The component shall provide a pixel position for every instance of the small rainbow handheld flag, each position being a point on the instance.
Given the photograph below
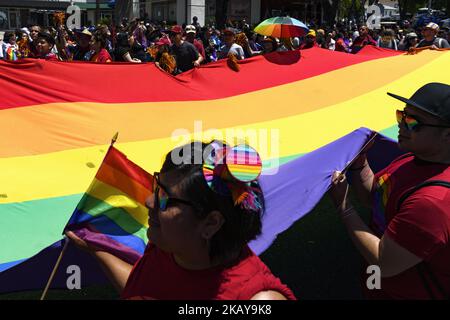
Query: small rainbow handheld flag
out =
(11, 54)
(111, 214)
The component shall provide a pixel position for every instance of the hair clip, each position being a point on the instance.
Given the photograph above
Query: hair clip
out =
(233, 172)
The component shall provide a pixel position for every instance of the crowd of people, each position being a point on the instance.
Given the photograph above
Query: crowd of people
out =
(176, 49)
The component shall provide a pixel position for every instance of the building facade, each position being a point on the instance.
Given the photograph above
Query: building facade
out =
(16, 14)
(182, 11)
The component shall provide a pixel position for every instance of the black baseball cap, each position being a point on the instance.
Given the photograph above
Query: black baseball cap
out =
(433, 98)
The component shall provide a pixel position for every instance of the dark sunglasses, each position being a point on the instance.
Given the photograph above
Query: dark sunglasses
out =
(162, 199)
(411, 123)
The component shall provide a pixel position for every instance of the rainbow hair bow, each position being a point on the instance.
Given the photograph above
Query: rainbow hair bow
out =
(234, 172)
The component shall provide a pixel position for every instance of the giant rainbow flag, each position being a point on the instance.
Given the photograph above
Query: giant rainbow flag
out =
(56, 120)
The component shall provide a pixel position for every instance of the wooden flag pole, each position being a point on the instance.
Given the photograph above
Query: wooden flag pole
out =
(114, 139)
(55, 268)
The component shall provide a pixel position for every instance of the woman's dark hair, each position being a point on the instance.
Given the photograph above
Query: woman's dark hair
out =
(122, 39)
(240, 226)
(100, 38)
(10, 35)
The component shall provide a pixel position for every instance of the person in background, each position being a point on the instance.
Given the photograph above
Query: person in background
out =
(44, 45)
(98, 48)
(122, 51)
(191, 33)
(388, 40)
(242, 40)
(429, 33)
(216, 38)
(163, 60)
(10, 47)
(230, 47)
(310, 40)
(195, 23)
(330, 43)
(253, 41)
(23, 45)
(34, 32)
(186, 55)
(362, 40)
(104, 30)
(269, 45)
(79, 50)
(286, 44)
(137, 50)
(410, 41)
(320, 38)
(139, 35)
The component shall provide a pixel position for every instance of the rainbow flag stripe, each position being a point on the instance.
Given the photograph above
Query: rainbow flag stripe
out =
(244, 163)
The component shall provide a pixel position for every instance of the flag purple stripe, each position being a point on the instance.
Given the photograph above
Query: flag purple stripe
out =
(110, 243)
(110, 236)
(300, 184)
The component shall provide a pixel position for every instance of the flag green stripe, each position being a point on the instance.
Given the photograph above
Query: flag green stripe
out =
(119, 216)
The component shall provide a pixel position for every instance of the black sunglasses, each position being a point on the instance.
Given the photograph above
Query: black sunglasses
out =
(162, 198)
(411, 123)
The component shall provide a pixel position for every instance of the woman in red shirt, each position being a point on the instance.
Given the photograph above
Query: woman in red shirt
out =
(45, 43)
(198, 237)
(98, 45)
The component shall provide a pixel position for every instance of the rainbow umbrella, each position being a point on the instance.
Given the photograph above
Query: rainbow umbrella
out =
(282, 27)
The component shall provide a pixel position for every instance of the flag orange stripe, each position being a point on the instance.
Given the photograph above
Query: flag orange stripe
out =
(124, 183)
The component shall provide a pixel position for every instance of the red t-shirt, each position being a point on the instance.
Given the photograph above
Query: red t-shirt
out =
(157, 276)
(200, 48)
(422, 225)
(51, 57)
(102, 56)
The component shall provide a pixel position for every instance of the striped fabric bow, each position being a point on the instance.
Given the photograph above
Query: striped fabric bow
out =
(234, 172)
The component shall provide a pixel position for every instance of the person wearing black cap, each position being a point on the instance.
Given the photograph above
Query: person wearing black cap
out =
(44, 46)
(409, 233)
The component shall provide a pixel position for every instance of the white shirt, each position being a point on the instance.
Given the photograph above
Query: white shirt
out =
(332, 45)
(234, 49)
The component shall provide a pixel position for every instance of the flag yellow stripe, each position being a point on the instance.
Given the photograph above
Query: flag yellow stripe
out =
(116, 198)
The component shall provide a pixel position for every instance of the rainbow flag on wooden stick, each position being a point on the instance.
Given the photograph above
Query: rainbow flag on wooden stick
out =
(112, 213)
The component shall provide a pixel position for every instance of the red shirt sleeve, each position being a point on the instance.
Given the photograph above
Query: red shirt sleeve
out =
(421, 224)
